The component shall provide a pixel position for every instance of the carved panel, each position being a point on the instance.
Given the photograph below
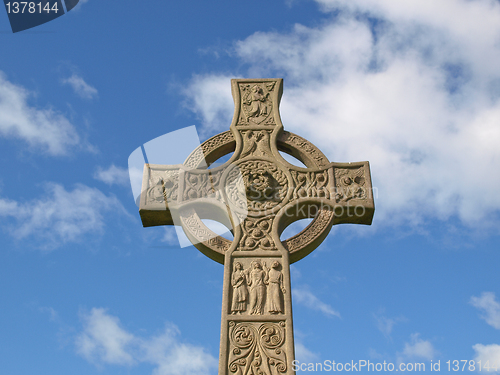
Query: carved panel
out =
(257, 234)
(265, 186)
(163, 186)
(256, 104)
(257, 287)
(202, 184)
(256, 143)
(257, 348)
(310, 184)
(350, 184)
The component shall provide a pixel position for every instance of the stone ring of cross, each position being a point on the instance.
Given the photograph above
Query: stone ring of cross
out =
(256, 194)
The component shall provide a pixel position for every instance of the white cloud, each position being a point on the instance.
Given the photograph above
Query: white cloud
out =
(60, 216)
(209, 97)
(489, 355)
(305, 297)
(104, 341)
(40, 128)
(489, 307)
(417, 349)
(416, 92)
(113, 175)
(80, 87)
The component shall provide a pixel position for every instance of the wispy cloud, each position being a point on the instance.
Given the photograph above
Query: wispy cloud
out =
(103, 340)
(407, 85)
(385, 324)
(60, 216)
(44, 129)
(489, 307)
(80, 87)
(305, 297)
(304, 355)
(113, 175)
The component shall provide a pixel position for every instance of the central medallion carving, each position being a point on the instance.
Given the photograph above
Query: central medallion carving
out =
(262, 183)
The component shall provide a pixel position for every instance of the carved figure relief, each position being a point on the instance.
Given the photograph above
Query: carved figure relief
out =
(163, 186)
(256, 143)
(257, 279)
(276, 287)
(310, 184)
(256, 104)
(350, 184)
(240, 292)
(258, 287)
(257, 348)
(256, 234)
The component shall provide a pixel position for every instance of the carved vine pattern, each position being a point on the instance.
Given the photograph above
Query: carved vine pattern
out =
(257, 348)
(202, 185)
(310, 184)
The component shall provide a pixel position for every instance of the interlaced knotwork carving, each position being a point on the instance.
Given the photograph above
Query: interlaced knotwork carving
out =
(202, 185)
(257, 348)
(310, 184)
(256, 234)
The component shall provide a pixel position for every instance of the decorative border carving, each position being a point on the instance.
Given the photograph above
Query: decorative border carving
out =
(311, 232)
(192, 223)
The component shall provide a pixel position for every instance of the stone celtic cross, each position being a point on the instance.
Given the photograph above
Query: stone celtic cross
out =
(256, 194)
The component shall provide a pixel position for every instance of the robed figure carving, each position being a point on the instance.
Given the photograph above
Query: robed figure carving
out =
(240, 292)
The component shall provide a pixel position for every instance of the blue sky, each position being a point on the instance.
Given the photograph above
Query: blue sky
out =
(412, 86)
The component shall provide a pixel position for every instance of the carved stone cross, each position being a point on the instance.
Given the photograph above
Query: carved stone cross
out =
(257, 194)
